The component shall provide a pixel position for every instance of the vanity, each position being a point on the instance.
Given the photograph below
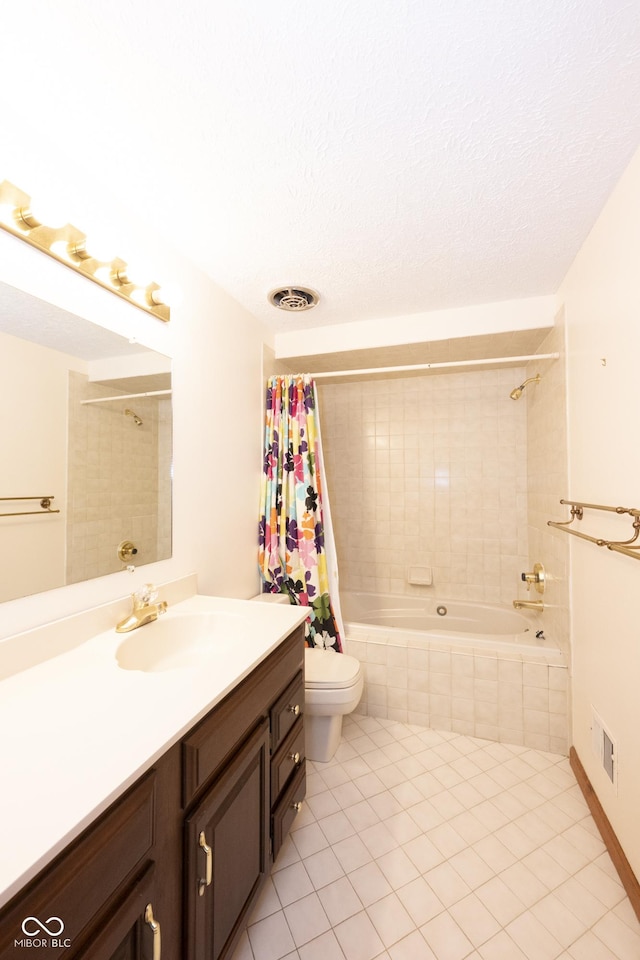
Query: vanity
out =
(157, 792)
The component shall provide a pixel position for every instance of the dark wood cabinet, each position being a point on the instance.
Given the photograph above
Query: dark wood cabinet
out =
(88, 880)
(239, 764)
(172, 869)
(227, 850)
(132, 931)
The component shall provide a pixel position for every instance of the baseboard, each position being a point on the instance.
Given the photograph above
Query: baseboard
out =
(620, 862)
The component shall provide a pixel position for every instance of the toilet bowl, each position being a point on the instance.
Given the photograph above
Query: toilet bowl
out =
(332, 688)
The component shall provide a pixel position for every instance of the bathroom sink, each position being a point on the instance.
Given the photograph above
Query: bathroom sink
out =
(180, 641)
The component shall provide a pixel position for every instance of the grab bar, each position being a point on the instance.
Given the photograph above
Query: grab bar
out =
(45, 503)
(617, 546)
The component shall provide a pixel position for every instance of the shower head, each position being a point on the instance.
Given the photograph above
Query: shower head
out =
(136, 418)
(516, 393)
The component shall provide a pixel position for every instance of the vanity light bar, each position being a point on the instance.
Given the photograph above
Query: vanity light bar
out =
(70, 246)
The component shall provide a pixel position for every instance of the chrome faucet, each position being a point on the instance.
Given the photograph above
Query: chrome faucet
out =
(145, 609)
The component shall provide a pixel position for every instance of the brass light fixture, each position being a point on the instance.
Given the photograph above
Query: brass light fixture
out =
(70, 246)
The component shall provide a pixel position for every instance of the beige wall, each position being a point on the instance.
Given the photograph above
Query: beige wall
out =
(428, 470)
(601, 298)
(483, 318)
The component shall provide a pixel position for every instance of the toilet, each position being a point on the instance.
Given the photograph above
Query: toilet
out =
(333, 687)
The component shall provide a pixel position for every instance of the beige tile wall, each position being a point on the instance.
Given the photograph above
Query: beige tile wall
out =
(429, 470)
(496, 697)
(114, 491)
(548, 482)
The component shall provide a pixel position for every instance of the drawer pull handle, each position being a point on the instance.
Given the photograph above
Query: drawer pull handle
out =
(295, 758)
(202, 842)
(294, 709)
(155, 929)
(297, 806)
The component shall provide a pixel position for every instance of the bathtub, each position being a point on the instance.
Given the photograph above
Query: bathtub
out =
(463, 625)
(477, 669)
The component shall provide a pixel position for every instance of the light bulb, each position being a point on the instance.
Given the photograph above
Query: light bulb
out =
(6, 211)
(101, 235)
(140, 296)
(50, 212)
(139, 273)
(101, 246)
(169, 293)
(61, 249)
(105, 273)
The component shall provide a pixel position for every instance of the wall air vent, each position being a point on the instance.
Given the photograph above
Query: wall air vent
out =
(294, 299)
(604, 747)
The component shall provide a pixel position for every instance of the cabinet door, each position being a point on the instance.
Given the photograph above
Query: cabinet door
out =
(227, 851)
(132, 931)
(86, 880)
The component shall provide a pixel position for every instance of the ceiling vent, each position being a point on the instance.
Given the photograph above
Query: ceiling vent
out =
(294, 299)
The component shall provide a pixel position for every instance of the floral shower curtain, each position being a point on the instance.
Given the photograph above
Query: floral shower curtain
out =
(292, 552)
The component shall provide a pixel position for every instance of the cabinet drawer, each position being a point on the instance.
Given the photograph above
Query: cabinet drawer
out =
(83, 881)
(286, 810)
(289, 757)
(211, 743)
(286, 711)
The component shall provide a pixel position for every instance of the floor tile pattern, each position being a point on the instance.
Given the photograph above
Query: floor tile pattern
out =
(415, 844)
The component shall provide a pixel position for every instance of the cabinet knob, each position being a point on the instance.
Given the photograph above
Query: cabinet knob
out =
(202, 884)
(297, 806)
(295, 758)
(294, 709)
(155, 929)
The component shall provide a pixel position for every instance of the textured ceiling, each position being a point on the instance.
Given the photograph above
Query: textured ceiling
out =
(398, 157)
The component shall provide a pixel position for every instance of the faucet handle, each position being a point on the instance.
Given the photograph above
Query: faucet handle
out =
(148, 593)
(536, 578)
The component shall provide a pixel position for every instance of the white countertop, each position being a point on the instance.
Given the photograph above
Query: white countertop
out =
(77, 730)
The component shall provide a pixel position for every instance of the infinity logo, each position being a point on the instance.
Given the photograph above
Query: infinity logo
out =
(39, 925)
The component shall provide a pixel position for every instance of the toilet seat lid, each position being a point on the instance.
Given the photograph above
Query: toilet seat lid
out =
(324, 668)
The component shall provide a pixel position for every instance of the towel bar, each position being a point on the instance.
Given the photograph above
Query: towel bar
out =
(617, 546)
(45, 503)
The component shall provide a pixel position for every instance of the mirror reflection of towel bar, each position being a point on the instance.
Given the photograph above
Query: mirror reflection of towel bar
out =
(45, 503)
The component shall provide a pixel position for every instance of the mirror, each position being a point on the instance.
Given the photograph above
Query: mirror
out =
(85, 420)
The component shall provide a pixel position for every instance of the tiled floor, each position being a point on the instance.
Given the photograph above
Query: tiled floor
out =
(415, 845)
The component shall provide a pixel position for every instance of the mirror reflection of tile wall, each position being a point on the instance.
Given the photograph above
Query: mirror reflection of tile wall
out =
(119, 480)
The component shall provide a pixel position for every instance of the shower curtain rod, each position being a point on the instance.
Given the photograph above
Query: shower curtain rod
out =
(435, 366)
(129, 396)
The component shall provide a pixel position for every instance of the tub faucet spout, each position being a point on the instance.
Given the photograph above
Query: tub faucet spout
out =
(529, 605)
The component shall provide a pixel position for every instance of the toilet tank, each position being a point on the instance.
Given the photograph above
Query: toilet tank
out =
(272, 597)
